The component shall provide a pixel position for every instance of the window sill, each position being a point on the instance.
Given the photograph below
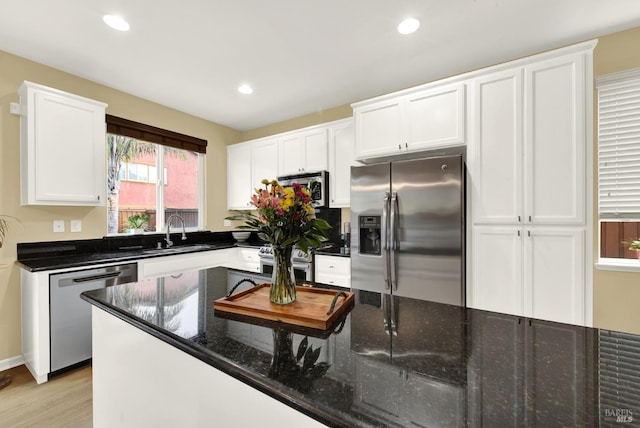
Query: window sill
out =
(622, 265)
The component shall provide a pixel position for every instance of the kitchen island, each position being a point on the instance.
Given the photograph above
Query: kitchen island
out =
(162, 356)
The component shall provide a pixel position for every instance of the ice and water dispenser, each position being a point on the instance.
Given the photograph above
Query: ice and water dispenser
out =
(369, 227)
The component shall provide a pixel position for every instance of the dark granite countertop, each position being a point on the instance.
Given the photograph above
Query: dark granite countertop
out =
(43, 256)
(439, 365)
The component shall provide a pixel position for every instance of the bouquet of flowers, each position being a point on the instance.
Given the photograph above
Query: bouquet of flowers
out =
(286, 219)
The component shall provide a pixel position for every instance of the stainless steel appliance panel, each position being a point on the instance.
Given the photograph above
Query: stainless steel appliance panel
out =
(370, 187)
(70, 316)
(426, 229)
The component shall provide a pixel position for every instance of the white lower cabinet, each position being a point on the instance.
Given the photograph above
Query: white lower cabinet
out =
(531, 271)
(497, 270)
(333, 270)
(167, 265)
(244, 258)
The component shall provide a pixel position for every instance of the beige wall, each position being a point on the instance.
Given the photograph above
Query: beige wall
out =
(616, 295)
(335, 113)
(37, 220)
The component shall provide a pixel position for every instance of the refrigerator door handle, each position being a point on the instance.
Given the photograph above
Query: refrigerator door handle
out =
(385, 241)
(393, 226)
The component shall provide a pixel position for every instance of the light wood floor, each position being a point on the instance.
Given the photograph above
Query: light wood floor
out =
(65, 401)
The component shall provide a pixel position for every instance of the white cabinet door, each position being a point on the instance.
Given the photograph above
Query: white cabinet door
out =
(341, 158)
(495, 158)
(554, 274)
(290, 154)
(434, 118)
(239, 184)
(304, 151)
(63, 148)
(316, 156)
(555, 141)
(264, 161)
(379, 129)
(496, 283)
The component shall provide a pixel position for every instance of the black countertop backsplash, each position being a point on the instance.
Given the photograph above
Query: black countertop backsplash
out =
(444, 366)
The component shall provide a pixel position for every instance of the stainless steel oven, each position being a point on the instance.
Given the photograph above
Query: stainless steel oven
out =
(302, 263)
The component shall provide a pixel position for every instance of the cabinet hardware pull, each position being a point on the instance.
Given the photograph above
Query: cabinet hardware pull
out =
(518, 233)
(399, 147)
(529, 218)
(98, 197)
(519, 219)
(406, 145)
(528, 232)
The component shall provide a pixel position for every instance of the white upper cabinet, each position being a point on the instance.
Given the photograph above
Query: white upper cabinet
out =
(434, 118)
(378, 128)
(304, 151)
(264, 162)
(62, 148)
(424, 119)
(326, 147)
(496, 153)
(247, 165)
(341, 158)
(555, 140)
(239, 176)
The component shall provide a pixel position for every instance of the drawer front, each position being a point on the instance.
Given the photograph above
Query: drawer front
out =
(331, 265)
(337, 280)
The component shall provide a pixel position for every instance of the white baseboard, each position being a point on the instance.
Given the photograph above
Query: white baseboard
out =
(10, 363)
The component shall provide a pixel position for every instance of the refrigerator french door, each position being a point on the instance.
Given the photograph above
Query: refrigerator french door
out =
(407, 229)
(407, 255)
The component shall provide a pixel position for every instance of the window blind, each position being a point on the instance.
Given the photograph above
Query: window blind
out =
(619, 378)
(619, 145)
(151, 134)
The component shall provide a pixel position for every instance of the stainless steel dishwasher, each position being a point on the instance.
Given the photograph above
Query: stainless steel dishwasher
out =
(70, 316)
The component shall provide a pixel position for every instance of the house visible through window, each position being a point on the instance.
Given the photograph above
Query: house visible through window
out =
(619, 163)
(136, 153)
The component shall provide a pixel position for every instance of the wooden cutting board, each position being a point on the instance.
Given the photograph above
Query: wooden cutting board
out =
(309, 310)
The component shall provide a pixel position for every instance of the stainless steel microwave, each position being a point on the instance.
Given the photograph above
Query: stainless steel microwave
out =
(316, 182)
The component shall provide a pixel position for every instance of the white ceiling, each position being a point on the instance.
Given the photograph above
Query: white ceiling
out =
(301, 56)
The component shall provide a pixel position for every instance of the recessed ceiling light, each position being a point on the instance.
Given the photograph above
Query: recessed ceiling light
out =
(245, 89)
(408, 26)
(116, 22)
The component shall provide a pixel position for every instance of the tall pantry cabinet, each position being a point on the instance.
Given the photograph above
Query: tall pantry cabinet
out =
(529, 163)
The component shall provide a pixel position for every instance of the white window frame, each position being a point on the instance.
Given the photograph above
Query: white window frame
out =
(161, 226)
(612, 85)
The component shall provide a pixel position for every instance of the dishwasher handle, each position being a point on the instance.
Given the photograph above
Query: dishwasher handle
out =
(97, 277)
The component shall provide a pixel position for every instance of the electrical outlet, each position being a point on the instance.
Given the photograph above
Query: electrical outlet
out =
(58, 225)
(75, 226)
(227, 223)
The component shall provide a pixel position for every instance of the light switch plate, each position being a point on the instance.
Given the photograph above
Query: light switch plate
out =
(58, 225)
(75, 226)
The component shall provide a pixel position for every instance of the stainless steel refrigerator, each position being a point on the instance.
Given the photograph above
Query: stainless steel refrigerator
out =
(407, 256)
(407, 229)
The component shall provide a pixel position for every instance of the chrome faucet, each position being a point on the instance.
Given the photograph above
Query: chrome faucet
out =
(168, 237)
